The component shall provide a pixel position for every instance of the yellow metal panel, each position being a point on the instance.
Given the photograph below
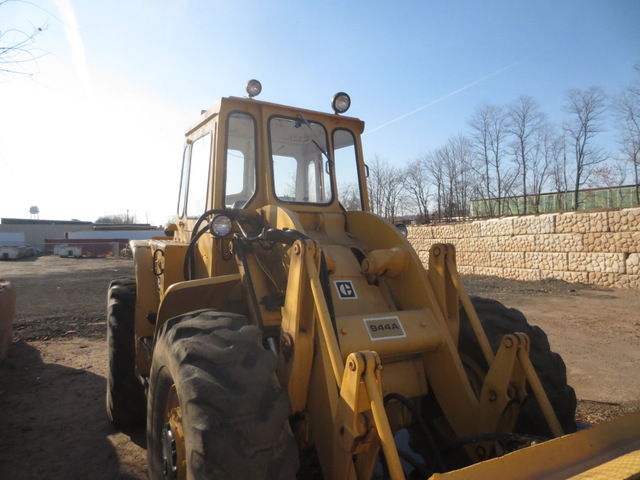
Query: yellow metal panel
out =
(147, 300)
(389, 333)
(298, 332)
(441, 280)
(214, 292)
(626, 467)
(169, 264)
(323, 404)
(412, 290)
(327, 335)
(406, 377)
(374, 391)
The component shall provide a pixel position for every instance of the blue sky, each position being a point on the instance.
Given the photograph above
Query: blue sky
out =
(99, 129)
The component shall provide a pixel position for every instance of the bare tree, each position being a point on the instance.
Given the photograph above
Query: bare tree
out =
(560, 175)
(417, 185)
(394, 195)
(17, 52)
(444, 156)
(489, 132)
(457, 182)
(587, 108)
(547, 150)
(385, 188)
(626, 108)
(610, 175)
(481, 138)
(435, 170)
(349, 196)
(524, 123)
(375, 184)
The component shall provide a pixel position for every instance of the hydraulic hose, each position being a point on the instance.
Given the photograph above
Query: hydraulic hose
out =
(440, 465)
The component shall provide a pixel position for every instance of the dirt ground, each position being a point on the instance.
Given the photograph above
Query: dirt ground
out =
(52, 385)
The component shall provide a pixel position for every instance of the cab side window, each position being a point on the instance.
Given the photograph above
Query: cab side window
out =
(184, 181)
(198, 176)
(240, 160)
(346, 164)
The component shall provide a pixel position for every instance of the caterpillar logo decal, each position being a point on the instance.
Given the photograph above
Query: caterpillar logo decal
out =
(384, 328)
(345, 289)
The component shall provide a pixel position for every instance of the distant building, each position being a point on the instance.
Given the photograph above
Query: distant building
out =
(35, 232)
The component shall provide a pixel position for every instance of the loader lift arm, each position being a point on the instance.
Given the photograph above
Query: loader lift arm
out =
(360, 391)
(360, 423)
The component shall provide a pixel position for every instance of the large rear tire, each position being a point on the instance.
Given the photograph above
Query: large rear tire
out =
(497, 321)
(126, 401)
(215, 408)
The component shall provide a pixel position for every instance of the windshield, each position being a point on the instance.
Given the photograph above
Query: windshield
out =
(301, 169)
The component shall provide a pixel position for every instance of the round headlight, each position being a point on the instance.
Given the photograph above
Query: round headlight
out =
(220, 226)
(254, 87)
(341, 102)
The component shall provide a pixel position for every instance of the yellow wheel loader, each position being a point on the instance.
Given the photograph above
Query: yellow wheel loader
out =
(280, 330)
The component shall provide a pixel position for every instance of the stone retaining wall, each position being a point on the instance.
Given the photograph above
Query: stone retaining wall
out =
(600, 248)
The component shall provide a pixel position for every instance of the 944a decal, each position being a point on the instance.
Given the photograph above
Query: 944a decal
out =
(384, 328)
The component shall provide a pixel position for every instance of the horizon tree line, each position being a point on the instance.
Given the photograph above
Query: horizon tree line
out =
(514, 150)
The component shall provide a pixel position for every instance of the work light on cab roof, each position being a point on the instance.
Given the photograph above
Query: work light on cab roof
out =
(254, 87)
(340, 102)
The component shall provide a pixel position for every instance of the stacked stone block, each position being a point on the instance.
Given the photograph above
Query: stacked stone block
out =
(600, 248)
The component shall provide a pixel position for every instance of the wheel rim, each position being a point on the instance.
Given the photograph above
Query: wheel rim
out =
(173, 448)
(169, 453)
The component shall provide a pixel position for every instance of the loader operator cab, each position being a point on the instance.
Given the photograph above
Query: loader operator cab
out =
(245, 154)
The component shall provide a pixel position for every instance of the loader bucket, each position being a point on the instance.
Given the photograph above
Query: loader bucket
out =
(609, 451)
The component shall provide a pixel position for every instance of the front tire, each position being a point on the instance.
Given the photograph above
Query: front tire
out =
(126, 401)
(497, 321)
(215, 408)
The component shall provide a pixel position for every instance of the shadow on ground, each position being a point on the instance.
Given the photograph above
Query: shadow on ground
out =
(53, 422)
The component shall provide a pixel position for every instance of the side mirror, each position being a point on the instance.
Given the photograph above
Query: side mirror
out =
(403, 229)
(170, 230)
